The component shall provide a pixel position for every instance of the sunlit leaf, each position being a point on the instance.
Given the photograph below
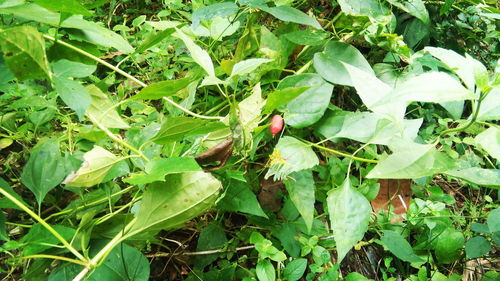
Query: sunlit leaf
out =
(103, 110)
(286, 13)
(300, 186)
(476, 175)
(489, 140)
(96, 164)
(349, 216)
(156, 170)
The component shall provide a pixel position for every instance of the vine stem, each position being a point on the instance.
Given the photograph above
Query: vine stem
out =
(43, 256)
(44, 224)
(347, 155)
(118, 70)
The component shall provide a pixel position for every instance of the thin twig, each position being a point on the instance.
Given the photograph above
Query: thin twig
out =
(200, 253)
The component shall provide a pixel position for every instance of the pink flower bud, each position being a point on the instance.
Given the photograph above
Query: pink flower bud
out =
(276, 124)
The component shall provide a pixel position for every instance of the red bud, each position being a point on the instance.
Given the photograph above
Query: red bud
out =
(276, 124)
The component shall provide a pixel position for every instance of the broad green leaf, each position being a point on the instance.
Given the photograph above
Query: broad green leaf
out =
(365, 127)
(265, 248)
(247, 66)
(211, 237)
(295, 269)
(455, 62)
(124, 262)
(45, 169)
(290, 155)
(412, 160)
(40, 239)
(90, 31)
(307, 37)
(415, 8)
(286, 13)
(215, 10)
(449, 245)
(489, 140)
(171, 203)
(265, 270)
(354, 276)
(300, 187)
(330, 64)
(371, 8)
(162, 89)
(102, 110)
(399, 247)
(476, 247)
(67, 68)
(309, 106)
(5, 142)
(23, 50)
(73, 94)
(490, 106)
(3, 231)
(154, 39)
(493, 220)
(222, 27)
(281, 97)
(156, 170)
(238, 197)
(349, 216)
(199, 55)
(96, 164)
(476, 175)
(177, 128)
(65, 6)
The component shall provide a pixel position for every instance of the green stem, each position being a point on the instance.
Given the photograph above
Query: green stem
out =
(347, 155)
(463, 128)
(118, 70)
(44, 224)
(43, 256)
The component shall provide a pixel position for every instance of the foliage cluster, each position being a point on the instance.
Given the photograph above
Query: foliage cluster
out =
(135, 133)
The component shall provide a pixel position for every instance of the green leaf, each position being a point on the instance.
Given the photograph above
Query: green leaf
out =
(371, 8)
(265, 270)
(476, 175)
(309, 106)
(3, 231)
(455, 62)
(365, 127)
(211, 237)
(330, 64)
(65, 6)
(295, 269)
(290, 155)
(476, 247)
(67, 68)
(90, 31)
(212, 11)
(349, 216)
(73, 94)
(124, 262)
(177, 128)
(5, 203)
(399, 247)
(449, 245)
(300, 187)
(489, 140)
(199, 55)
(281, 97)
(162, 89)
(45, 169)
(97, 162)
(154, 39)
(239, 198)
(180, 198)
(354, 276)
(23, 50)
(156, 170)
(490, 106)
(102, 110)
(286, 13)
(307, 37)
(40, 239)
(265, 248)
(494, 220)
(247, 66)
(412, 160)
(415, 8)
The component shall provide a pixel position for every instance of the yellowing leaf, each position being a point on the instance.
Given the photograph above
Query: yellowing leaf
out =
(94, 168)
(102, 110)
